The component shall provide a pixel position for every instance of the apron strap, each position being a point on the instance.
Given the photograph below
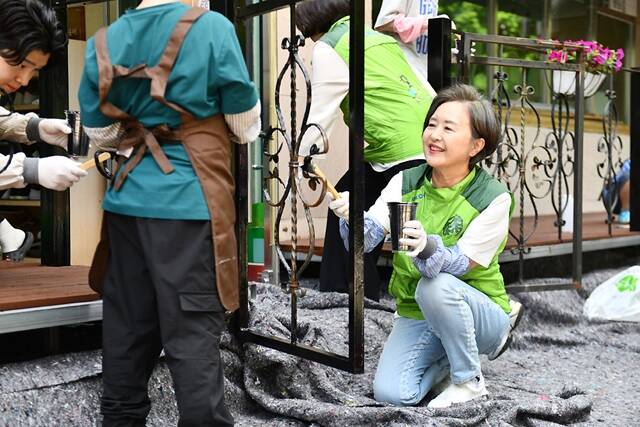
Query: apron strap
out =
(105, 78)
(141, 139)
(160, 73)
(136, 134)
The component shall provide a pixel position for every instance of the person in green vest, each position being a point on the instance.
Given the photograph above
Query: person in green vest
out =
(451, 301)
(395, 104)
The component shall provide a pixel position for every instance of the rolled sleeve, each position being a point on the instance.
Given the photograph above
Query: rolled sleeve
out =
(245, 126)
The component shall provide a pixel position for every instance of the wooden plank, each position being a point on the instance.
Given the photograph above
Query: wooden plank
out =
(47, 300)
(29, 285)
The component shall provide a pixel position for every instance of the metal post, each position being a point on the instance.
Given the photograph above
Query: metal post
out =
(492, 49)
(54, 89)
(464, 54)
(356, 198)
(634, 108)
(123, 5)
(241, 164)
(293, 170)
(439, 58)
(224, 7)
(577, 174)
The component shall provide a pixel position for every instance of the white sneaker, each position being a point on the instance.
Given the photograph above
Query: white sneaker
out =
(517, 311)
(504, 345)
(460, 393)
(514, 318)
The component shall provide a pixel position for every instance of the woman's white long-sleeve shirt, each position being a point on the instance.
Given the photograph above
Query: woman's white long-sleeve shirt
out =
(13, 127)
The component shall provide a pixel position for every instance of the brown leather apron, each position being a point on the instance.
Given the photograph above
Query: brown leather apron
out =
(206, 143)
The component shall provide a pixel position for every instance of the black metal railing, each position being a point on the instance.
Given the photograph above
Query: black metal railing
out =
(610, 147)
(284, 139)
(635, 148)
(535, 166)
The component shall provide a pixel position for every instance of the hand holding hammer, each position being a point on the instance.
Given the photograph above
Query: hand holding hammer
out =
(312, 168)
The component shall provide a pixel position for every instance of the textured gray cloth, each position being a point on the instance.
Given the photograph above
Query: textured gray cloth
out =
(30, 170)
(561, 369)
(33, 129)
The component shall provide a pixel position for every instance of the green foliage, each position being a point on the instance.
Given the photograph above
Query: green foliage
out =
(471, 17)
(468, 17)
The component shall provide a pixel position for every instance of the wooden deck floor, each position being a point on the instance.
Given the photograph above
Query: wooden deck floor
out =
(29, 285)
(594, 227)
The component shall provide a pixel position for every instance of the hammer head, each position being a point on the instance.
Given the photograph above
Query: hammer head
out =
(308, 167)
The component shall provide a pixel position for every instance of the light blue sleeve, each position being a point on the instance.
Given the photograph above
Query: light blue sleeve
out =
(443, 259)
(373, 233)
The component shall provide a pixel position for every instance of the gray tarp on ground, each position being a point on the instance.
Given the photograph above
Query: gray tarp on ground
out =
(561, 369)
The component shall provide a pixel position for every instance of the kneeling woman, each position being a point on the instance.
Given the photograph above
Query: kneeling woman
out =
(451, 301)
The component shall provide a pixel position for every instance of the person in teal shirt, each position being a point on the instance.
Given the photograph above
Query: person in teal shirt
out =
(210, 77)
(164, 86)
(450, 296)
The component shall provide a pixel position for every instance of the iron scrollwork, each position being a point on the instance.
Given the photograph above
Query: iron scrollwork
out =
(534, 170)
(562, 141)
(530, 170)
(610, 146)
(290, 190)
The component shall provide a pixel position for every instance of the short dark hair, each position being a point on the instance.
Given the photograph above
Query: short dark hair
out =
(317, 16)
(482, 117)
(28, 25)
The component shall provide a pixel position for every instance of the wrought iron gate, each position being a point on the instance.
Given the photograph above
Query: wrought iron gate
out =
(541, 170)
(241, 12)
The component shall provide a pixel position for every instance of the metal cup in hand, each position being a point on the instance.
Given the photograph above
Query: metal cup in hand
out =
(78, 141)
(400, 213)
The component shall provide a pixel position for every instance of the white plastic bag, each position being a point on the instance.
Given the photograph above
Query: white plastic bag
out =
(618, 298)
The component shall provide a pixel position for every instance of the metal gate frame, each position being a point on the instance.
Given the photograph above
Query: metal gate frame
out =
(239, 12)
(440, 41)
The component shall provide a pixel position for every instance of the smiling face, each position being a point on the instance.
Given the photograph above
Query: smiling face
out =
(448, 141)
(13, 77)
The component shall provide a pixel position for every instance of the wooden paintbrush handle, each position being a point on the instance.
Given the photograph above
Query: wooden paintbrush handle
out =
(330, 186)
(92, 163)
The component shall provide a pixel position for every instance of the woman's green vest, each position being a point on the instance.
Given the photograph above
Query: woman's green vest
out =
(448, 212)
(395, 102)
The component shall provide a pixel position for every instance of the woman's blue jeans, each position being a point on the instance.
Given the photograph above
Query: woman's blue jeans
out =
(460, 324)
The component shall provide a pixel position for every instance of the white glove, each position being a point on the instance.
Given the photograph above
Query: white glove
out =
(340, 206)
(417, 240)
(54, 132)
(59, 172)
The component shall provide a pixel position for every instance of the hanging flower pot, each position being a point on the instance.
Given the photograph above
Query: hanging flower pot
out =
(599, 61)
(564, 82)
(592, 82)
